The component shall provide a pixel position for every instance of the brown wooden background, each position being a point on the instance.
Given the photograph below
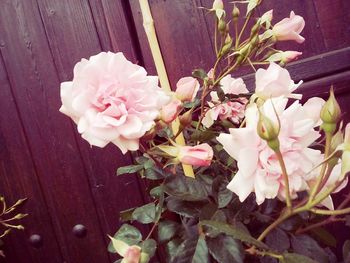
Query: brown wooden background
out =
(41, 155)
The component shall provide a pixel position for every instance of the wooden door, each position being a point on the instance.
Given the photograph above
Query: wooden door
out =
(44, 159)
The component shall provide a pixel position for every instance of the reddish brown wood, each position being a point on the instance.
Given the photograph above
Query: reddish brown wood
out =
(19, 179)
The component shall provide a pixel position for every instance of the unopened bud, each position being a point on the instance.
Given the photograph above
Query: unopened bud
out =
(255, 29)
(222, 26)
(330, 114)
(337, 140)
(227, 46)
(186, 118)
(235, 13)
(218, 4)
(268, 131)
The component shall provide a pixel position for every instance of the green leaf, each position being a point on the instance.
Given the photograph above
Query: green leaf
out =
(129, 169)
(208, 211)
(184, 208)
(235, 232)
(154, 173)
(157, 191)
(203, 136)
(225, 249)
(172, 248)
(191, 104)
(220, 192)
(306, 246)
(296, 258)
(127, 233)
(346, 251)
(145, 214)
(278, 240)
(251, 5)
(185, 188)
(199, 74)
(323, 235)
(193, 250)
(221, 94)
(167, 230)
(149, 247)
(126, 215)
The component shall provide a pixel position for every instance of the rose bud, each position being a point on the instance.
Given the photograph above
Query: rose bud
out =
(186, 89)
(186, 118)
(170, 111)
(218, 4)
(290, 28)
(284, 56)
(199, 155)
(330, 113)
(268, 131)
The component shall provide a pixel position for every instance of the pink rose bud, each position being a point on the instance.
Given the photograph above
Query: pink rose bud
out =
(187, 88)
(170, 111)
(199, 155)
(132, 255)
(290, 28)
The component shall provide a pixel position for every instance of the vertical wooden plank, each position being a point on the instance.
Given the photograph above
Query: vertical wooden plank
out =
(183, 36)
(100, 164)
(334, 17)
(59, 166)
(19, 180)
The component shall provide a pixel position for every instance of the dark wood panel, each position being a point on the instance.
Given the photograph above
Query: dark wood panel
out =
(334, 19)
(183, 36)
(19, 180)
(100, 165)
(60, 169)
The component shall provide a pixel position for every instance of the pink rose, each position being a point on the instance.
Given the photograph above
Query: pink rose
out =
(187, 88)
(290, 28)
(275, 81)
(232, 110)
(112, 100)
(199, 155)
(284, 56)
(258, 167)
(170, 111)
(132, 255)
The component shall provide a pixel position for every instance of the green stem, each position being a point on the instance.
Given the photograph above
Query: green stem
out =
(243, 28)
(285, 178)
(274, 225)
(316, 187)
(330, 212)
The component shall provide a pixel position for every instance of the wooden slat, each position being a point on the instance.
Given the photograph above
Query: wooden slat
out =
(334, 19)
(183, 37)
(18, 179)
(100, 164)
(36, 90)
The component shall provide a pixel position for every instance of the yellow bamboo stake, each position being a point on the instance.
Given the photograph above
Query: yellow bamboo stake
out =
(148, 25)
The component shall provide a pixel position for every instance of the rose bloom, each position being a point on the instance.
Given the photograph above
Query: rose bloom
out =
(187, 88)
(199, 155)
(290, 28)
(232, 110)
(258, 167)
(112, 100)
(275, 81)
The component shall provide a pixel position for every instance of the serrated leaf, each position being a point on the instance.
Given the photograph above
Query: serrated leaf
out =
(307, 246)
(296, 258)
(154, 173)
(220, 192)
(127, 233)
(157, 191)
(203, 136)
(184, 208)
(278, 240)
(346, 251)
(126, 215)
(326, 237)
(185, 188)
(129, 169)
(145, 214)
(193, 250)
(172, 248)
(166, 230)
(233, 231)
(225, 249)
(199, 74)
(149, 247)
